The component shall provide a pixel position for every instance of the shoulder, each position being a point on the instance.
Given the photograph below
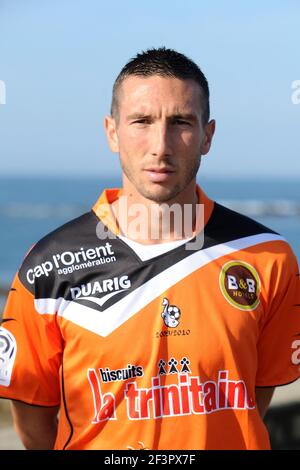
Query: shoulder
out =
(238, 231)
(58, 247)
(227, 224)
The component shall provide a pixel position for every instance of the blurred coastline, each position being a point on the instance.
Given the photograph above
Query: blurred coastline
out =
(3, 291)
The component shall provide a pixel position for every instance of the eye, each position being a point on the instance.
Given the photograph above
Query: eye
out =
(182, 122)
(141, 121)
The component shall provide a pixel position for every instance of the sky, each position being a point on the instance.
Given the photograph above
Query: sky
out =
(59, 59)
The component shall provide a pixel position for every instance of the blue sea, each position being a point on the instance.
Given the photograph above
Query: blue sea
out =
(30, 208)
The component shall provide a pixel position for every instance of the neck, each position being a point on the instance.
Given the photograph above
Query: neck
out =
(149, 222)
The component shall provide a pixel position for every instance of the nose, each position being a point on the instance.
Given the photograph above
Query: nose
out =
(161, 140)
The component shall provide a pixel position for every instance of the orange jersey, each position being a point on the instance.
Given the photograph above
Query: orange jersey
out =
(163, 353)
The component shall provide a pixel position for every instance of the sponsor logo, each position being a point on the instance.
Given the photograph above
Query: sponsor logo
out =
(240, 285)
(184, 394)
(68, 261)
(170, 314)
(8, 350)
(110, 286)
(130, 372)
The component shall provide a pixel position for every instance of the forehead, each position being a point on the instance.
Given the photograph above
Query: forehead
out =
(148, 93)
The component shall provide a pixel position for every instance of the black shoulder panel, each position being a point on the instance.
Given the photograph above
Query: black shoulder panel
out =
(226, 225)
(84, 262)
(61, 249)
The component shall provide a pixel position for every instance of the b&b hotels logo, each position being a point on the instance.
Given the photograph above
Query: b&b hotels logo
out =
(240, 285)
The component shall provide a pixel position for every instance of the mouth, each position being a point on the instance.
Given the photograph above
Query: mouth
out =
(159, 175)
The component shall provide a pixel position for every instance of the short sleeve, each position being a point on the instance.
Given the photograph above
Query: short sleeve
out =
(280, 331)
(30, 351)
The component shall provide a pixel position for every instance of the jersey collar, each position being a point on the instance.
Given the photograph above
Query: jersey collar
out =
(102, 208)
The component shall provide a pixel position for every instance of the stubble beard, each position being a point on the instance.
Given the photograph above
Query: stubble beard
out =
(159, 193)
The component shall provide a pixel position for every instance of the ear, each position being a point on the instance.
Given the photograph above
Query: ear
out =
(111, 133)
(209, 131)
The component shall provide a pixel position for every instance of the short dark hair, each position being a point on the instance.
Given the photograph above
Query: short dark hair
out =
(166, 63)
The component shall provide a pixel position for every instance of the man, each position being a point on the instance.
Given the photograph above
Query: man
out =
(141, 340)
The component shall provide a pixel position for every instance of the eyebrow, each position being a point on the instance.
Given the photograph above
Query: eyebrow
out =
(137, 116)
(186, 116)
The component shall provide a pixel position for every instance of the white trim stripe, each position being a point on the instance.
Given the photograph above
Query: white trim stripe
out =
(104, 323)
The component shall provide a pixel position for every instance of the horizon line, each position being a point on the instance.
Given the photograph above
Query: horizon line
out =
(204, 176)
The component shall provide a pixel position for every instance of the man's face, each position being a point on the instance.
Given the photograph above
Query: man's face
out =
(159, 135)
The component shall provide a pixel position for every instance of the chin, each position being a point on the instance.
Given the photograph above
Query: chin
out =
(159, 194)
